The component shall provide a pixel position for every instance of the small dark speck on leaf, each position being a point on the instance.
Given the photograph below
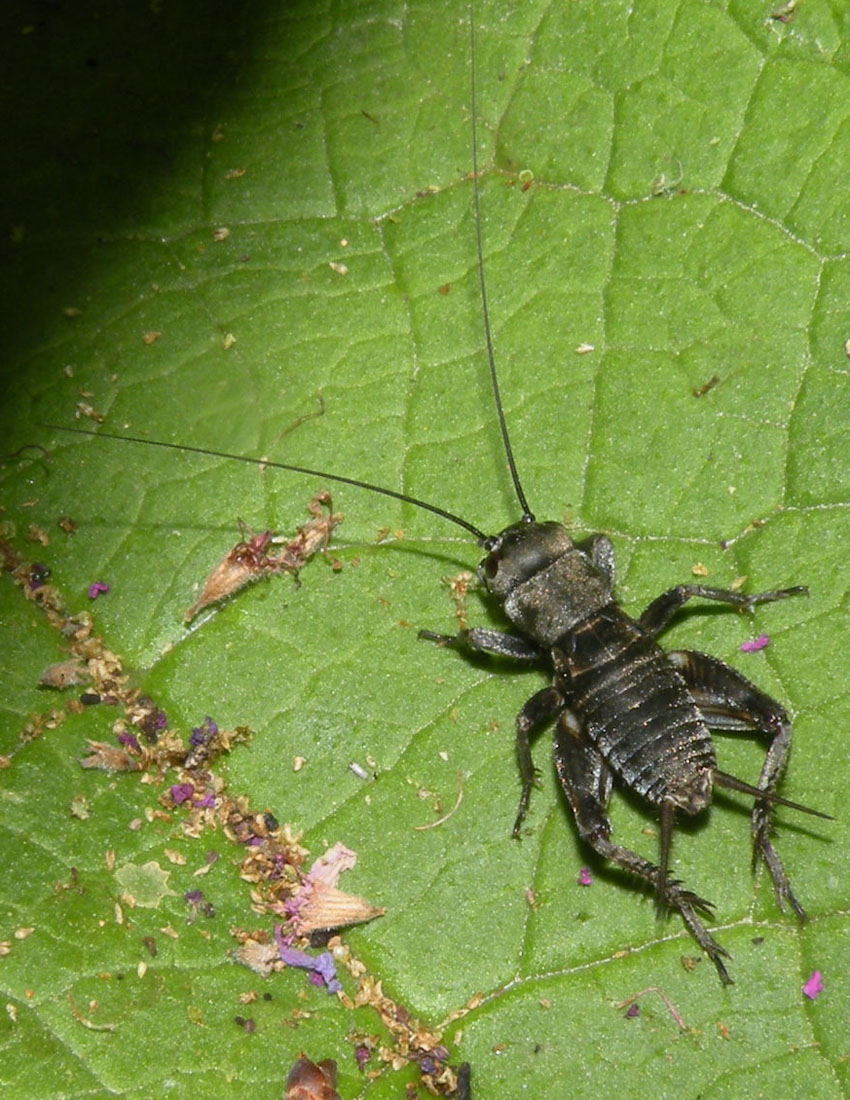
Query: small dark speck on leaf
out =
(702, 390)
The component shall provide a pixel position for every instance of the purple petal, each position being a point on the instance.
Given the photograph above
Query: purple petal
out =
(813, 985)
(756, 644)
(321, 965)
(324, 965)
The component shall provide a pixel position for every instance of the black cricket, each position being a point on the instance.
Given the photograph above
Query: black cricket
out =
(623, 708)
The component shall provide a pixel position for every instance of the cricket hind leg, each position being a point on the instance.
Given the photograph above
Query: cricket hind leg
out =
(728, 701)
(587, 783)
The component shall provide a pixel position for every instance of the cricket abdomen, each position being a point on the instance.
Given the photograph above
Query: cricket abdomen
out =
(636, 709)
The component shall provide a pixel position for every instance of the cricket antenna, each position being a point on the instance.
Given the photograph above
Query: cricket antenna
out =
(485, 312)
(481, 538)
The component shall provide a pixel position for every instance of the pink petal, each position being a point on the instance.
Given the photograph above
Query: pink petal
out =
(813, 985)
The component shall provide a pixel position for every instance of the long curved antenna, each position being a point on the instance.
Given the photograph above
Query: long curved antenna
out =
(481, 538)
(485, 312)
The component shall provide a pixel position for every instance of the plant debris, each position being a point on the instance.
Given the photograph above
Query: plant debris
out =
(253, 558)
(311, 1080)
(813, 986)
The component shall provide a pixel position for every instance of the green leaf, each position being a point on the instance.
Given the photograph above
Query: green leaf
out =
(217, 212)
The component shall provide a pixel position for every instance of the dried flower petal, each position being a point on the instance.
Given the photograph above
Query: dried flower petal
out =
(321, 965)
(61, 675)
(326, 907)
(319, 904)
(203, 733)
(328, 867)
(259, 957)
(181, 792)
(249, 560)
(109, 758)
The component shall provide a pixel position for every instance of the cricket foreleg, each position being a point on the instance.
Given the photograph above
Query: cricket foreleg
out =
(479, 640)
(587, 783)
(539, 709)
(664, 607)
(728, 701)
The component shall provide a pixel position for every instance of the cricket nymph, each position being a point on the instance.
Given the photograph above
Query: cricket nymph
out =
(624, 709)
(635, 705)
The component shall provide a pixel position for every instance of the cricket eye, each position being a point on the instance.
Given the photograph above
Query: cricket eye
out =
(491, 564)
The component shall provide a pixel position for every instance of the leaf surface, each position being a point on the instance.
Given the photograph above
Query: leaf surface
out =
(218, 213)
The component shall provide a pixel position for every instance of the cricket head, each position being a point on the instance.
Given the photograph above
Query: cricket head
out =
(520, 552)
